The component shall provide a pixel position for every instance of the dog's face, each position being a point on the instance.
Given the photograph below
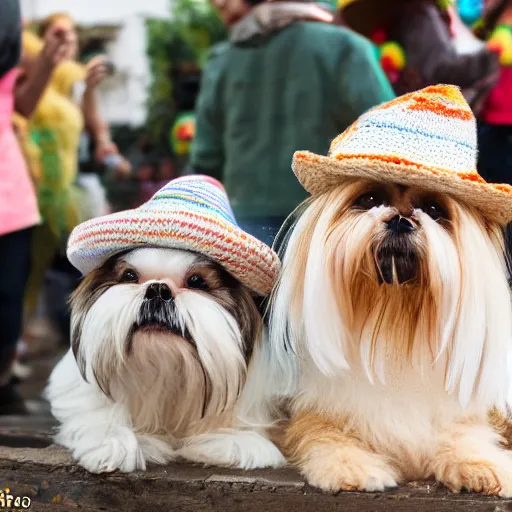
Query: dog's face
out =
(378, 272)
(165, 322)
(399, 241)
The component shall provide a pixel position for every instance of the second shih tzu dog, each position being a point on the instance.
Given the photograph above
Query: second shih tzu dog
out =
(163, 328)
(391, 324)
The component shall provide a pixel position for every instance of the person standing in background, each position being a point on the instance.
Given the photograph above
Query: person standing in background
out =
(495, 119)
(422, 43)
(18, 205)
(287, 79)
(67, 108)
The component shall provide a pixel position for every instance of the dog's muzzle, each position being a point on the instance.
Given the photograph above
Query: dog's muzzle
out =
(397, 260)
(158, 311)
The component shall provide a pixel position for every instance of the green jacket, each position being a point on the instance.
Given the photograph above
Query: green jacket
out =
(262, 100)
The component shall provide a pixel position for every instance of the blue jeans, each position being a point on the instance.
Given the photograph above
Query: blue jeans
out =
(262, 228)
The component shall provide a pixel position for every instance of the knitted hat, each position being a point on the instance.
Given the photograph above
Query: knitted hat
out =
(425, 139)
(190, 213)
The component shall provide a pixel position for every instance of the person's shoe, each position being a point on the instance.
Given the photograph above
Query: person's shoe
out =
(11, 403)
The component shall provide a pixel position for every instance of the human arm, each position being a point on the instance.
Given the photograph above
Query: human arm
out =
(36, 74)
(427, 42)
(97, 126)
(94, 122)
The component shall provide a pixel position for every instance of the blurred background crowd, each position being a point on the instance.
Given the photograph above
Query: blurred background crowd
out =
(101, 103)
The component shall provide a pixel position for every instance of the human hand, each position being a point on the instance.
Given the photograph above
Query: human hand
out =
(105, 148)
(121, 165)
(58, 45)
(97, 70)
(123, 169)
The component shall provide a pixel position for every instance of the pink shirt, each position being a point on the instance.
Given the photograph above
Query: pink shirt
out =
(18, 202)
(498, 107)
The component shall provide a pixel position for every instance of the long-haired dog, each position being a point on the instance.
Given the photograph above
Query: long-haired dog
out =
(160, 344)
(391, 329)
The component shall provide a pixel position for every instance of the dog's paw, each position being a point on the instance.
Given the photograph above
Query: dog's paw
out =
(233, 448)
(117, 452)
(474, 463)
(477, 476)
(347, 468)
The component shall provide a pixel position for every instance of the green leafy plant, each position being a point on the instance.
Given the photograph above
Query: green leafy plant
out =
(180, 43)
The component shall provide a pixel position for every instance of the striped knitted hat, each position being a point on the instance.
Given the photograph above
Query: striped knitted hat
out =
(425, 139)
(190, 213)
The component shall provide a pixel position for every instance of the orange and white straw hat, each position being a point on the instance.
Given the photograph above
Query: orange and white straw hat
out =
(425, 139)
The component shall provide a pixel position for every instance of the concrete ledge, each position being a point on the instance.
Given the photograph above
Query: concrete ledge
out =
(49, 477)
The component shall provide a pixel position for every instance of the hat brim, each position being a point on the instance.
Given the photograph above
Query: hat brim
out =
(318, 174)
(248, 259)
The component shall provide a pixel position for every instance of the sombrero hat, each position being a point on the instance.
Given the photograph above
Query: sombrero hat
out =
(190, 213)
(426, 139)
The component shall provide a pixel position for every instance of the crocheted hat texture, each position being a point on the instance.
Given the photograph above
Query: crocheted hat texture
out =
(190, 213)
(425, 139)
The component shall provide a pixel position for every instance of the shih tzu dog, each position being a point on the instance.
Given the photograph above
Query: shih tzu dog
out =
(391, 323)
(163, 328)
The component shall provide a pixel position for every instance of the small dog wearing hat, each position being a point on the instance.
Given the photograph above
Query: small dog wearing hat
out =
(391, 323)
(163, 327)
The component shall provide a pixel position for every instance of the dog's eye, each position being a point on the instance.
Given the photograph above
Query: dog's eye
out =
(196, 282)
(371, 199)
(129, 276)
(433, 209)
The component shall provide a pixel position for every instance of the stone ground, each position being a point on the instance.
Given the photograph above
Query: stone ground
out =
(31, 466)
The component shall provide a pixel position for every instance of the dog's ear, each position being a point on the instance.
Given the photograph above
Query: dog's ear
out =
(92, 286)
(249, 318)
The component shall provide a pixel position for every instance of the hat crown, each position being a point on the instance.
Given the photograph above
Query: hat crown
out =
(425, 139)
(433, 128)
(191, 213)
(199, 194)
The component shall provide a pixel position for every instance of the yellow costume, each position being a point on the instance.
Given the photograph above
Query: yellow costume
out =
(30, 149)
(55, 127)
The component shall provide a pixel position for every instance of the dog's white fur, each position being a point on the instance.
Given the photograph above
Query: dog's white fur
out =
(414, 418)
(152, 409)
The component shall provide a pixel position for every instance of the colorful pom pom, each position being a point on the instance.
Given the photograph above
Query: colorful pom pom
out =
(182, 134)
(501, 43)
(392, 57)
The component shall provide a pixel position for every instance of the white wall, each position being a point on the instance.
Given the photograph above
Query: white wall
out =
(122, 97)
(95, 11)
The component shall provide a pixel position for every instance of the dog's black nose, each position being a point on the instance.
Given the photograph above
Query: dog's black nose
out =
(160, 291)
(399, 224)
